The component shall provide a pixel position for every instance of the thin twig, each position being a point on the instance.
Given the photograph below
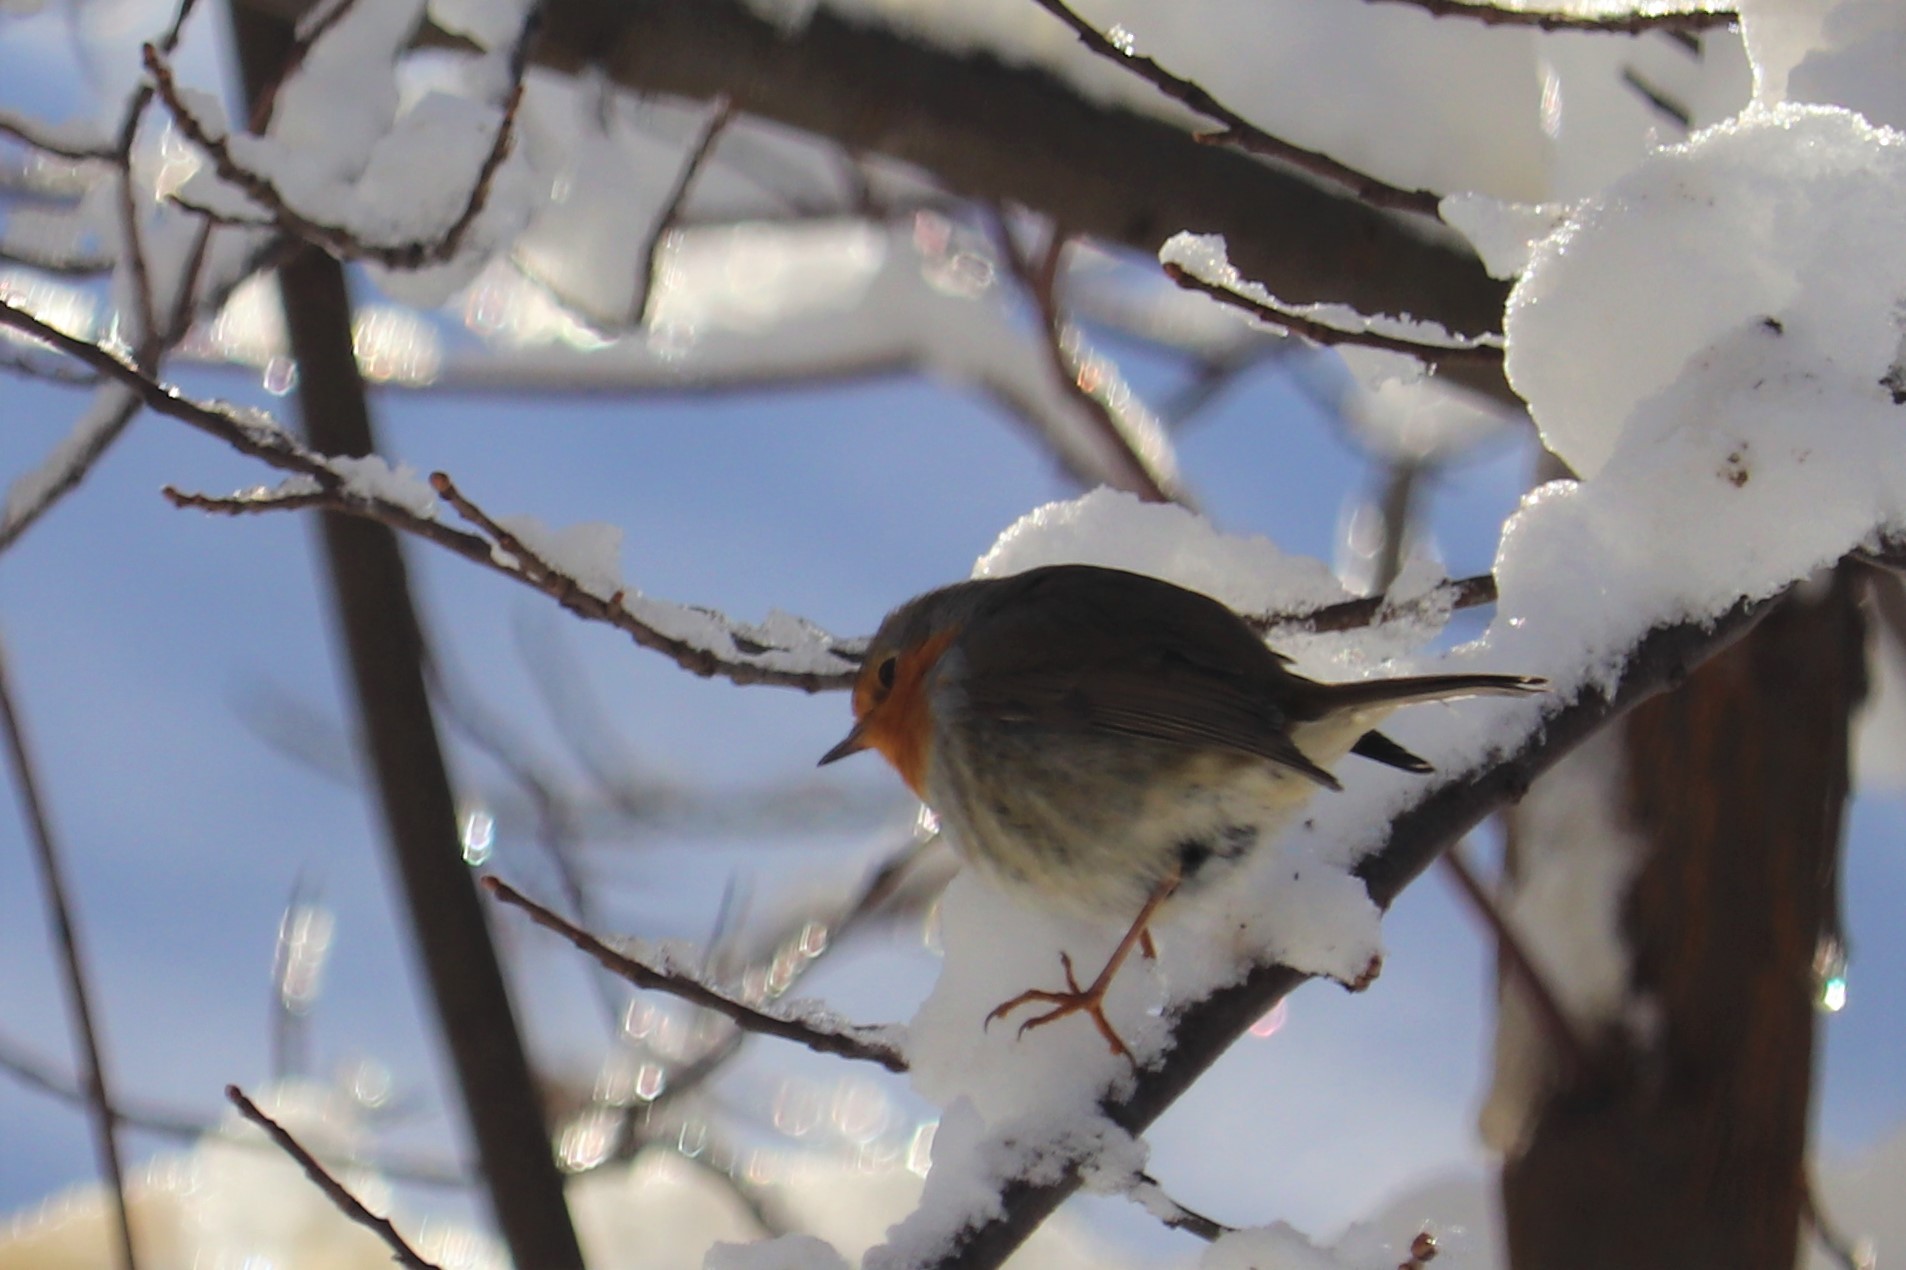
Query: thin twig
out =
(1610, 24)
(1240, 131)
(862, 1044)
(533, 568)
(147, 347)
(245, 504)
(719, 117)
(1564, 1036)
(1430, 354)
(1127, 468)
(66, 931)
(334, 1190)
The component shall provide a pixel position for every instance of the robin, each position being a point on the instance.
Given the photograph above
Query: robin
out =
(1100, 740)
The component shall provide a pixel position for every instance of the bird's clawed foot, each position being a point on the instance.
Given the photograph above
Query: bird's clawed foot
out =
(1074, 1000)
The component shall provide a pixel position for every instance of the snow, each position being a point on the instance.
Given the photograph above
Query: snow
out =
(1107, 527)
(1709, 341)
(348, 149)
(589, 553)
(1503, 234)
(491, 24)
(1275, 1247)
(373, 477)
(234, 1199)
(750, 277)
(1567, 899)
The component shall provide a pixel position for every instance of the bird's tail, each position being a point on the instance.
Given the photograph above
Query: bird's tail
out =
(1380, 694)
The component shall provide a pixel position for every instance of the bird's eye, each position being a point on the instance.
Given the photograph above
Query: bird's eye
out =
(884, 672)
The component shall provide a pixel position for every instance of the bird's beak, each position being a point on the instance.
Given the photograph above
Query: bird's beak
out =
(852, 743)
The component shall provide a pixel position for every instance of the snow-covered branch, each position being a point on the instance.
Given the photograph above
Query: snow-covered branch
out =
(1239, 131)
(342, 239)
(1001, 130)
(1431, 354)
(1636, 22)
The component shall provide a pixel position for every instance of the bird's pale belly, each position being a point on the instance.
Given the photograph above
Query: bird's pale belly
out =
(1093, 824)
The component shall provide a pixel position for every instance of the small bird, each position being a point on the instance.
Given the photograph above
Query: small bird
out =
(1098, 740)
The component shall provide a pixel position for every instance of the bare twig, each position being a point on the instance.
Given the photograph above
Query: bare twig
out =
(1564, 1036)
(1610, 24)
(530, 565)
(863, 1044)
(145, 347)
(719, 117)
(1238, 130)
(348, 1204)
(1430, 354)
(1126, 467)
(66, 931)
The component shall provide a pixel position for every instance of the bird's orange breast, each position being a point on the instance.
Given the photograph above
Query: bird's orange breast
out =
(901, 727)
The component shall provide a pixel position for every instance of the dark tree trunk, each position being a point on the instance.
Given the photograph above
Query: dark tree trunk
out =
(1687, 1148)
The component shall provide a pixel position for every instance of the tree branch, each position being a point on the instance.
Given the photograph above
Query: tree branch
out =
(339, 240)
(1238, 130)
(1430, 354)
(348, 1204)
(1637, 23)
(867, 1045)
(59, 908)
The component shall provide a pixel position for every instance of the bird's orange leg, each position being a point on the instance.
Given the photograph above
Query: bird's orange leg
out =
(1091, 1000)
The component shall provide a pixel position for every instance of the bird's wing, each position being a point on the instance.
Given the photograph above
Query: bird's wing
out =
(1136, 657)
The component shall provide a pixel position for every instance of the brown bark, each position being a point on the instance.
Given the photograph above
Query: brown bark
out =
(1686, 1148)
(384, 647)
